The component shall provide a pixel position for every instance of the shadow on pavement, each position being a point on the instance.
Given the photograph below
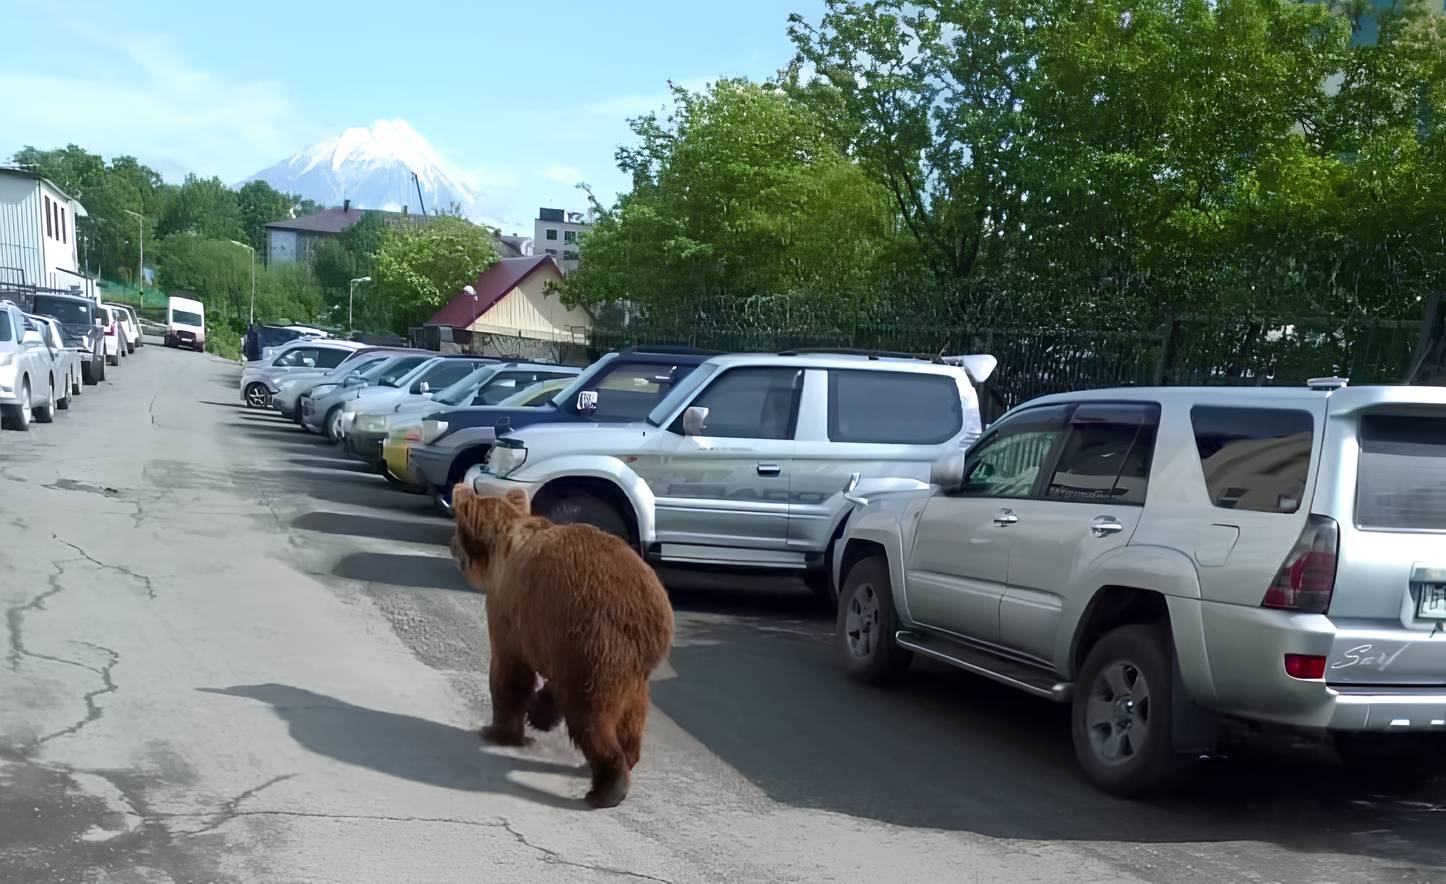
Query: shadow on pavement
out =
(959, 753)
(436, 532)
(401, 746)
(338, 462)
(419, 572)
(238, 405)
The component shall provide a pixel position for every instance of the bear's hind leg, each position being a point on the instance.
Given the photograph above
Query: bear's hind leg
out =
(542, 710)
(512, 682)
(594, 731)
(631, 724)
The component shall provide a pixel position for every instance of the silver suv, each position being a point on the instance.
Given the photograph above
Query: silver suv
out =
(1173, 560)
(744, 462)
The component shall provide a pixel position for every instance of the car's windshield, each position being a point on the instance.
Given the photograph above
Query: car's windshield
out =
(537, 394)
(463, 390)
(403, 371)
(356, 366)
(66, 310)
(185, 317)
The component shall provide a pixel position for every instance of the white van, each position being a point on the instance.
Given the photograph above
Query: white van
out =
(185, 323)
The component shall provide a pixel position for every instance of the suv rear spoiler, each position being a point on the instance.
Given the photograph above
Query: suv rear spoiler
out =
(979, 366)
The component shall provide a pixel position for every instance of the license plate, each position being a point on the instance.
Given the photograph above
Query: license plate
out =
(1431, 601)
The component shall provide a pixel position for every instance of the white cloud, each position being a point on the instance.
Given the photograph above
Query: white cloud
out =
(562, 173)
(485, 178)
(639, 103)
(156, 105)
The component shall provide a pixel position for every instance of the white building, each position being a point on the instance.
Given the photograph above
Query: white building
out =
(37, 233)
(557, 233)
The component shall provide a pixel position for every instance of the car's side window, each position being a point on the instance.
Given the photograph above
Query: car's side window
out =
(1254, 458)
(749, 403)
(1008, 461)
(330, 357)
(1106, 458)
(297, 356)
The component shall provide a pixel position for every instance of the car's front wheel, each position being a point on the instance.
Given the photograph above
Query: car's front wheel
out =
(579, 507)
(1120, 720)
(257, 396)
(333, 424)
(867, 623)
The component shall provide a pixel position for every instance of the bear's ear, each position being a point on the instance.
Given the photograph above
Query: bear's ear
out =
(462, 497)
(518, 499)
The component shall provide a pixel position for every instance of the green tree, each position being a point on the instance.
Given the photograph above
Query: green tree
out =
(740, 203)
(420, 267)
(202, 206)
(260, 204)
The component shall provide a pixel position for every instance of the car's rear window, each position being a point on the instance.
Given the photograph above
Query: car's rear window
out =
(901, 407)
(1401, 477)
(1254, 458)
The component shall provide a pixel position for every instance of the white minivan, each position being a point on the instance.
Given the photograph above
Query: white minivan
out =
(185, 323)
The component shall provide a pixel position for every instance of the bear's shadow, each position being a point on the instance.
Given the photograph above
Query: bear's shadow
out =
(404, 746)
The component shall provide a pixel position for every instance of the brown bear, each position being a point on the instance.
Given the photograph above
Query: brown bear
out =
(576, 607)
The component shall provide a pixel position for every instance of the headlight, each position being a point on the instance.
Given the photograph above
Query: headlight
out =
(399, 428)
(432, 431)
(322, 390)
(506, 460)
(371, 423)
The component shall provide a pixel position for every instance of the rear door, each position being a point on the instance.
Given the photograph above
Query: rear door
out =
(1388, 496)
(1090, 507)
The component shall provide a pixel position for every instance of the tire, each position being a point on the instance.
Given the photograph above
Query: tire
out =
(1121, 720)
(113, 360)
(47, 414)
(77, 385)
(864, 630)
(257, 395)
(100, 366)
(64, 402)
(332, 425)
(581, 508)
(17, 417)
(1392, 761)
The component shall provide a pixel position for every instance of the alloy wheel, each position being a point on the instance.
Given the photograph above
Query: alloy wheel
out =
(1117, 716)
(861, 623)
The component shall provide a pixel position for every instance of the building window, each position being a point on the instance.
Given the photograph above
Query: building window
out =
(569, 236)
(569, 255)
(49, 223)
(552, 233)
(63, 237)
(552, 252)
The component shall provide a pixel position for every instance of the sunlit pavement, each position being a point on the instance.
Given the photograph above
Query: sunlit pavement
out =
(232, 655)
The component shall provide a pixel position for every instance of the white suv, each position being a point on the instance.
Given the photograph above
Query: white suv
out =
(1171, 560)
(745, 462)
(27, 388)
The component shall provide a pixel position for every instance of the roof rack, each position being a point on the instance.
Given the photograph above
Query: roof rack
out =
(854, 351)
(671, 349)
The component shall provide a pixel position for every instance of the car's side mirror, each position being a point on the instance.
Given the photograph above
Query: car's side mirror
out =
(425, 389)
(948, 472)
(694, 420)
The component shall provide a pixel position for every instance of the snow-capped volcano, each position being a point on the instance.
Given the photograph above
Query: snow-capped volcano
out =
(373, 168)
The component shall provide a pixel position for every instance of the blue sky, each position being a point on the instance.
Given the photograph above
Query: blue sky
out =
(525, 99)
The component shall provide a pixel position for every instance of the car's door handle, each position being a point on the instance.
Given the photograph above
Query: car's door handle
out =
(1104, 526)
(769, 469)
(1005, 517)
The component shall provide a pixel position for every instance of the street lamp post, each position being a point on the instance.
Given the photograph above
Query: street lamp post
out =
(141, 264)
(350, 293)
(243, 245)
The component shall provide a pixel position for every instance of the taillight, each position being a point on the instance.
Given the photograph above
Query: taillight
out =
(110, 330)
(1308, 577)
(1305, 666)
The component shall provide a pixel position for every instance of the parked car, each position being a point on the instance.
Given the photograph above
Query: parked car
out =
(619, 387)
(261, 341)
(77, 317)
(744, 463)
(259, 380)
(64, 362)
(480, 383)
(404, 431)
(185, 323)
(290, 389)
(132, 324)
(321, 408)
(126, 331)
(417, 386)
(113, 335)
(26, 388)
(1168, 560)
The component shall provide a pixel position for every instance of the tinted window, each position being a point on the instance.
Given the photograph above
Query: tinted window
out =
(1106, 457)
(1007, 461)
(1401, 479)
(67, 311)
(389, 376)
(1254, 458)
(627, 391)
(893, 406)
(330, 357)
(749, 403)
(185, 317)
(447, 373)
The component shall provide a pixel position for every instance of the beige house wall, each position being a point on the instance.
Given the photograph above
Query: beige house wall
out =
(529, 312)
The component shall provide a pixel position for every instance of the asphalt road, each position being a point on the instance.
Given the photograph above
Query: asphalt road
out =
(230, 656)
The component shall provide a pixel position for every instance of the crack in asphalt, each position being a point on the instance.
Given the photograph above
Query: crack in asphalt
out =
(150, 587)
(15, 622)
(230, 809)
(93, 711)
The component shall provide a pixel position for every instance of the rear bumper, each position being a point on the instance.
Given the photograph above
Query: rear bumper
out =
(365, 446)
(1246, 648)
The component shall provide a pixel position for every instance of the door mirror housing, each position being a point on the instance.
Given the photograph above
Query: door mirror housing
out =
(694, 420)
(424, 388)
(948, 472)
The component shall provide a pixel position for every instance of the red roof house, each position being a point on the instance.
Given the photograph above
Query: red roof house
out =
(513, 299)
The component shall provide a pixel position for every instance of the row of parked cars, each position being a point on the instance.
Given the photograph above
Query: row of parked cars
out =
(53, 346)
(1180, 566)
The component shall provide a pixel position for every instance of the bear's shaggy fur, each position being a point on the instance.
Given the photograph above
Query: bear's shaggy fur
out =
(581, 609)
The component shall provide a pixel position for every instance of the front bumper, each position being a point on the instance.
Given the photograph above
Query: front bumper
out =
(431, 464)
(311, 415)
(397, 456)
(488, 485)
(1246, 648)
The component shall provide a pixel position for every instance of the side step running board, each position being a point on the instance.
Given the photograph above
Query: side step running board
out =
(1028, 678)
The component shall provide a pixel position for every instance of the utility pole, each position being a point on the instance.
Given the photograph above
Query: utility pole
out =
(423, 203)
(350, 294)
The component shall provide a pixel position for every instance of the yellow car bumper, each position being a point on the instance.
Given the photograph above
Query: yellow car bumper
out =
(397, 454)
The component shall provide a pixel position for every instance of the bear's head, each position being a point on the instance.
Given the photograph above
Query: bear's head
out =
(487, 530)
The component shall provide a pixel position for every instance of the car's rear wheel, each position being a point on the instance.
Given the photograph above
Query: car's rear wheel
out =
(866, 625)
(257, 395)
(63, 403)
(47, 414)
(579, 507)
(1121, 717)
